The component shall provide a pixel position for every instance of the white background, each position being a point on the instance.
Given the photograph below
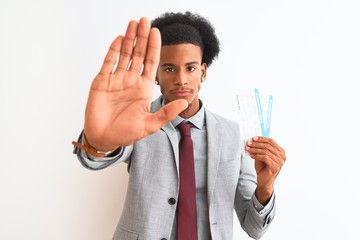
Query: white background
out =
(306, 53)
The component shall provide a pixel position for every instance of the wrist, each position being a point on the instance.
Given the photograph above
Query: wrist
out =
(263, 194)
(96, 152)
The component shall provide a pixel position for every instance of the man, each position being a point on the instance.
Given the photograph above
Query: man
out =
(122, 124)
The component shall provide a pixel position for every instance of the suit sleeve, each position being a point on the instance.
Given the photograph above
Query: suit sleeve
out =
(254, 218)
(122, 154)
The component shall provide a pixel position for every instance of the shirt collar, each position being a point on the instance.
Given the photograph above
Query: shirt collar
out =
(198, 119)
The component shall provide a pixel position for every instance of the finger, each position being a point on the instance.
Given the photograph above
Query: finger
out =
(264, 151)
(260, 147)
(272, 163)
(111, 56)
(152, 55)
(139, 51)
(270, 141)
(260, 151)
(166, 114)
(127, 46)
(267, 151)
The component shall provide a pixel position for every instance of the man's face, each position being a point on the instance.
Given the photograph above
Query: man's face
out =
(179, 75)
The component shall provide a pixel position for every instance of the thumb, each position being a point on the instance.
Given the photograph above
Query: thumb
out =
(166, 114)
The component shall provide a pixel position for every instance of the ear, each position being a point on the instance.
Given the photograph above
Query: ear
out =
(203, 71)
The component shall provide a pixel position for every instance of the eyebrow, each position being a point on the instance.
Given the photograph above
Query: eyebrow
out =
(172, 65)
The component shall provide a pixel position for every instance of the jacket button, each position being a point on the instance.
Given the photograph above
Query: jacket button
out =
(171, 201)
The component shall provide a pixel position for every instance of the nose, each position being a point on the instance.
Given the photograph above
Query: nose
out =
(181, 79)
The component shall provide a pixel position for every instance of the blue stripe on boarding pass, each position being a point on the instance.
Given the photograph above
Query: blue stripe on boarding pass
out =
(265, 131)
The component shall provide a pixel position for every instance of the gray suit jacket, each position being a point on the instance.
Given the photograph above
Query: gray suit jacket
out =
(149, 213)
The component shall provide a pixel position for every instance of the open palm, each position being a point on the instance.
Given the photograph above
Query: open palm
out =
(118, 107)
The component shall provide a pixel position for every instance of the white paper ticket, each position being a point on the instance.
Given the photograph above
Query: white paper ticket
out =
(254, 108)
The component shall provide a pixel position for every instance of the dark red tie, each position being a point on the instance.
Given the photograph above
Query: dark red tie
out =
(186, 208)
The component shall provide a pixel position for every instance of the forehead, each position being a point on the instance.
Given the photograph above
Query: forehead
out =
(179, 53)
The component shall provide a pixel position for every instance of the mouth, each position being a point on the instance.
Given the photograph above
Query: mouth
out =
(181, 92)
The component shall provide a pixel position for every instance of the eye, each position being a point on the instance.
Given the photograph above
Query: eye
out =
(169, 70)
(191, 68)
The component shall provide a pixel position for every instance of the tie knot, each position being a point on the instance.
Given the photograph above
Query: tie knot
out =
(184, 129)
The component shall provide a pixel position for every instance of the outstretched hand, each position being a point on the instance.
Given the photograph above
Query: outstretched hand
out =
(118, 106)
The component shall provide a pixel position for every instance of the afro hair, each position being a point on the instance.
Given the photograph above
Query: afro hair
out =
(178, 28)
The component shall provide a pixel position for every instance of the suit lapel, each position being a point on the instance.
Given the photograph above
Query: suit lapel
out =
(170, 132)
(173, 137)
(214, 143)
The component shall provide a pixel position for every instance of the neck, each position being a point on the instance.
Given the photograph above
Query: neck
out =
(191, 110)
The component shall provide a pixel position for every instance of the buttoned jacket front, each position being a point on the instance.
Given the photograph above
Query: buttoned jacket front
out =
(151, 199)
